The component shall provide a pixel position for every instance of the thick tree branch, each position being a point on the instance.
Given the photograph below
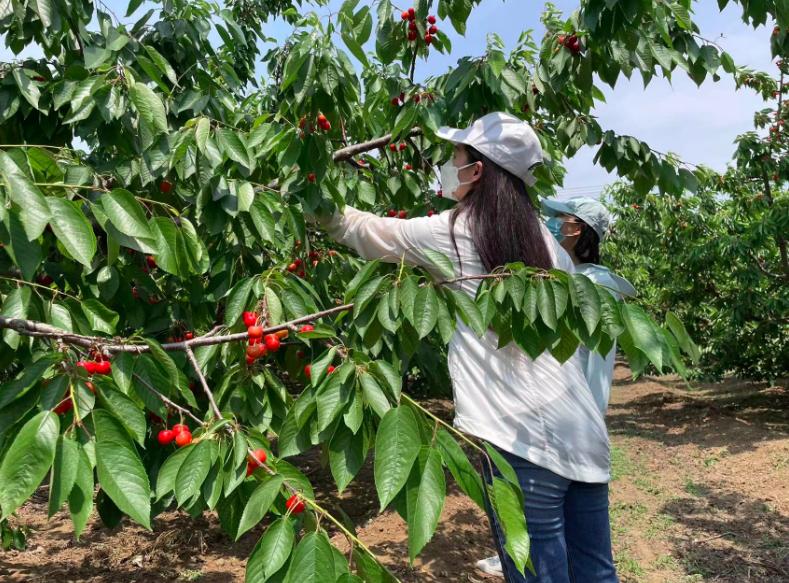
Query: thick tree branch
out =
(350, 151)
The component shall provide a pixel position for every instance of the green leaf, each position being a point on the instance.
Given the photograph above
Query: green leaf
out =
(125, 410)
(26, 254)
(313, 560)
(271, 552)
(233, 147)
(643, 333)
(334, 395)
(677, 328)
(194, 470)
(467, 478)
(64, 472)
(27, 460)
(165, 480)
(441, 262)
(126, 214)
(388, 377)
(588, 301)
(259, 503)
(100, 318)
(347, 453)
(373, 394)
(396, 448)
(237, 300)
(73, 229)
(425, 503)
(425, 311)
(509, 510)
(80, 500)
(469, 311)
(150, 107)
(121, 473)
(359, 279)
(35, 212)
(546, 303)
(15, 306)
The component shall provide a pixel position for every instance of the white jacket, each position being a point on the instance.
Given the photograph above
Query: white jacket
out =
(537, 409)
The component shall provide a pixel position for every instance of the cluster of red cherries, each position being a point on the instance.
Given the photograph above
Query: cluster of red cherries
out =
(179, 433)
(321, 121)
(431, 29)
(260, 345)
(570, 41)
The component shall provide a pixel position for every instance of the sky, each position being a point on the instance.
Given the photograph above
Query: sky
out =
(697, 123)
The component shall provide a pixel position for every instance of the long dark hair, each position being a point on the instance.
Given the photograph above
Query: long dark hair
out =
(504, 224)
(587, 249)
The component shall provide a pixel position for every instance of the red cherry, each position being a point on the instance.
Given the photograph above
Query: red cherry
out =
(332, 252)
(179, 427)
(153, 300)
(412, 36)
(405, 15)
(393, 147)
(321, 118)
(39, 78)
(428, 38)
(250, 318)
(411, 13)
(417, 98)
(292, 267)
(311, 177)
(430, 213)
(307, 328)
(250, 360)
(392, 213)
(302, 123)
(330, 369)
(188, 335)
(135, 293)
(408, 167)
(82, 364)
(272, 342)
(298, 262)
(307, 370)
(255, 331)
(183, 438)
(104, 367)
(403, 146)
(432, 30)
(165, 437)
(412, 25)
(394, 101)
(440, 193)
(403, 214)
(315, 262)
(402, 97)
(300, 354)
(255, 351)
(294, 504)
(150, 260)
(165, 186)
(431, 19)
(64, 407)
(326, 126)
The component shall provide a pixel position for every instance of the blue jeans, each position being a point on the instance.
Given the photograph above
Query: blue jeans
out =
(567, 523)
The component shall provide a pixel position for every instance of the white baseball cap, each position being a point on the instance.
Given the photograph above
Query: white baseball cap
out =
(589, 210)
(508, 141)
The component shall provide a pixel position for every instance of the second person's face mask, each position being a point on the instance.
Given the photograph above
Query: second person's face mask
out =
(554, 225)
(450, 181)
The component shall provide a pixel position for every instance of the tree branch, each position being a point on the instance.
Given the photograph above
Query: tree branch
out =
(201, 377)
(350, 151)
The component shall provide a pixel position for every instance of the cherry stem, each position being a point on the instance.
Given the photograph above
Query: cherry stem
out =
(201, 377)
(183, 411)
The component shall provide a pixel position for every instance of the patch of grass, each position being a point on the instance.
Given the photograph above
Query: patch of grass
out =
(658, 525)
(627, 565)
(694, 489)
(621, 464)
(645, 483)
(665, 562)
(190, 575)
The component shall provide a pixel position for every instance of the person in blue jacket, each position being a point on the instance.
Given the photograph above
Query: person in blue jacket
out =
(580, 225)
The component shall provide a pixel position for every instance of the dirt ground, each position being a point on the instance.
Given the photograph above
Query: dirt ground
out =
(700, 493)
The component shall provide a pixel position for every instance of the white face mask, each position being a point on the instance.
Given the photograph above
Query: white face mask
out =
(450, 181)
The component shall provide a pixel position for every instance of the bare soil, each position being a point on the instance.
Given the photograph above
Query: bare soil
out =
(700, 493)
